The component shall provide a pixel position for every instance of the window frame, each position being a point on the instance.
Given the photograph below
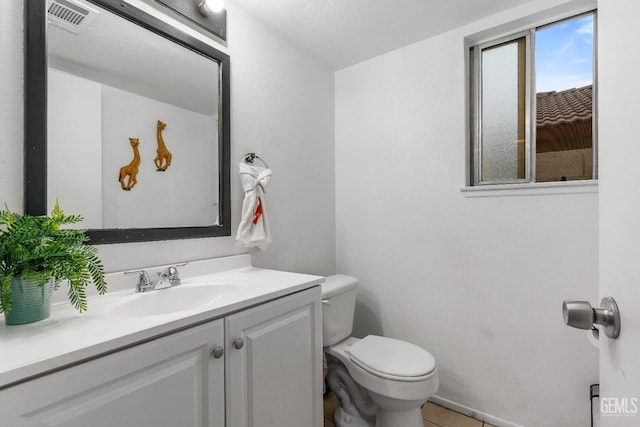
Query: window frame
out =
(475, 103)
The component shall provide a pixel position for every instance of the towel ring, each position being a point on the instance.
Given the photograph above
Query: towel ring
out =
(250, 157)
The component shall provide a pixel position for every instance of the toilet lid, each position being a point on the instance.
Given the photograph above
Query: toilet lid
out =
(388, 357)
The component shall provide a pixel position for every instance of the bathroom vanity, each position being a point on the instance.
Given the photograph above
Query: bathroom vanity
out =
(248, 354)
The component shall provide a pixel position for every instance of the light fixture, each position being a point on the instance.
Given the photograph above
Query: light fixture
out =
(208, 7)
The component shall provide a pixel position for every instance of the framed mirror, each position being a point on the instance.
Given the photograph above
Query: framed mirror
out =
(126, 123)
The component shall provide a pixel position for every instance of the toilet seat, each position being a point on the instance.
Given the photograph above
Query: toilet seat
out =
(381, 383)
(392, 359)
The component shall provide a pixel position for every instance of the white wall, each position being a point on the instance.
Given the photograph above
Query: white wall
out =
(281, 108)
(479, 282)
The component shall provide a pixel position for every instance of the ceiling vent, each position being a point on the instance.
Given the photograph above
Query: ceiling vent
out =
(71, 15)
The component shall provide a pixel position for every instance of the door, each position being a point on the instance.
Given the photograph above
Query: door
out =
(168, 382)
(274, 363)
(619, 200)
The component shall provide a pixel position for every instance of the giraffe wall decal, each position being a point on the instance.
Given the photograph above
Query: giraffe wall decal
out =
(131, 170)
(163, 159)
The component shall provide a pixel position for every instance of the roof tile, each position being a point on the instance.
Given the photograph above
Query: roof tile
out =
(563, 107)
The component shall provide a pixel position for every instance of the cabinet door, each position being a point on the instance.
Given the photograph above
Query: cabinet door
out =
(275, 377)
(168, 382)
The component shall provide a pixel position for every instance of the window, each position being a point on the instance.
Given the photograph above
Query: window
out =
(533, 105)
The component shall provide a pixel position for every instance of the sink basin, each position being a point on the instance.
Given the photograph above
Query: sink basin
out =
(171, 300)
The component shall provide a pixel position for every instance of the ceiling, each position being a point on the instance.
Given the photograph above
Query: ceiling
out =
(344, 32)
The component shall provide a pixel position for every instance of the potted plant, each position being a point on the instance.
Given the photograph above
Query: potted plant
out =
(35, 256)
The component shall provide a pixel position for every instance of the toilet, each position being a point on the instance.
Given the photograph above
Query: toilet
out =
(379, 381)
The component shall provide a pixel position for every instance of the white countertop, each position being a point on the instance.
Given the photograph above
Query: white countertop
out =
(68, 337)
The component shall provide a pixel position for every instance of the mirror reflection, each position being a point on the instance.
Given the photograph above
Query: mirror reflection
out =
(133, 124)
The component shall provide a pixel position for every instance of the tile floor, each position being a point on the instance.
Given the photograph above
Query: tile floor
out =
(433, 415)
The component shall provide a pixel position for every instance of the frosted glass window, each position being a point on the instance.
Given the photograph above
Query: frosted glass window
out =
(502, 112)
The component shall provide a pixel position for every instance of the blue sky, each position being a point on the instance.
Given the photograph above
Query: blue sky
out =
(564, 55)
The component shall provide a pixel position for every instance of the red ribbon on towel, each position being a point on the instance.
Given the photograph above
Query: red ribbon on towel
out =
(258, 213)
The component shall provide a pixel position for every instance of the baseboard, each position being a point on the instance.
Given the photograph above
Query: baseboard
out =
(488, 418)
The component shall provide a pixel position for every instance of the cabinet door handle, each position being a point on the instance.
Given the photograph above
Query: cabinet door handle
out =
(217, 352)
(239, 343)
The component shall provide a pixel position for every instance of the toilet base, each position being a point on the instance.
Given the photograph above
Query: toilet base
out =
(342, 419)
(410, 418)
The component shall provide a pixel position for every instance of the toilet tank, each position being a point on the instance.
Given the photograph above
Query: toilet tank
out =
(338, 306)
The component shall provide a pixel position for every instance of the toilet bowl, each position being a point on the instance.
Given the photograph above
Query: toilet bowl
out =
(388, 379)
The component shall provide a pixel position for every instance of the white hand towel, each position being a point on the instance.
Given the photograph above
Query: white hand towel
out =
(253, 231)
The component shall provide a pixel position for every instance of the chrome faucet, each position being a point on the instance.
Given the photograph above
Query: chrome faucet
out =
(144, 283)
(167, 279)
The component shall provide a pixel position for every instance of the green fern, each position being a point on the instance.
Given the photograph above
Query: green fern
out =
(37, 247)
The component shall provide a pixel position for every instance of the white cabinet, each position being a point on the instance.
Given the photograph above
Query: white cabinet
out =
(171, 381)
(273, 379)
(274, 363)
